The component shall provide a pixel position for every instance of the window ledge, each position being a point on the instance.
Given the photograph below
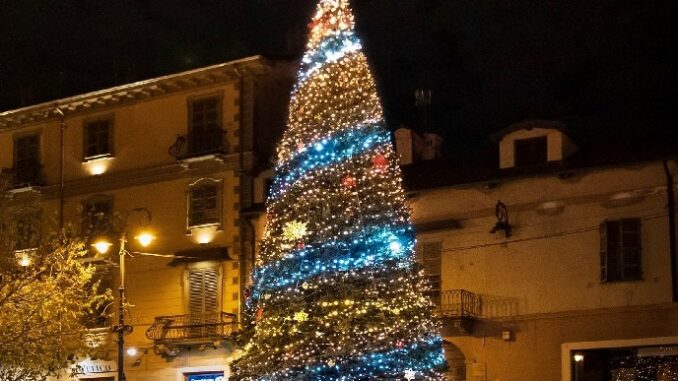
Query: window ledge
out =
(102, 157)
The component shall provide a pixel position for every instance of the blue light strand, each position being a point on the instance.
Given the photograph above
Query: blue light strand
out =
(331, 49)
(370, 247)
(425, 355)
(341, 146)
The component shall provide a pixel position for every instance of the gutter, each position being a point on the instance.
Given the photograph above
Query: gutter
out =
(62, 122)
(671, 205)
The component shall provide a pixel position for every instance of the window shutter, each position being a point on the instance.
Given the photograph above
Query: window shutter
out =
(603, 252)
(195, 300)
(428, 254)
(631, 250)
(203, 291)
(211, 287)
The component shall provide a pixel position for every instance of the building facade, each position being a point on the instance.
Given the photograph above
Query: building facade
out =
(553, 264)
(179, 149)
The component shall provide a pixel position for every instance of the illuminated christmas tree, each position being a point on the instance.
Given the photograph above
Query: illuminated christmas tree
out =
(337, 294)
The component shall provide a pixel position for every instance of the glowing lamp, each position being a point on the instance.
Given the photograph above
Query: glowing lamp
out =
(98, 166)
(204, 235)
(145, 239)
(24, 260)
(132, 351)
(102, 246)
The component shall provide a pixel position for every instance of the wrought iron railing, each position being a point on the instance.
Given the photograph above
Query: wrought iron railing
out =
(459, 303)
(209, 326)
(21, 177)
(200, 144)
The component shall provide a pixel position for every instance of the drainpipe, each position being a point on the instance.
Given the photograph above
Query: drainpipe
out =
(62, 119)
(241, 176)
(672, 230)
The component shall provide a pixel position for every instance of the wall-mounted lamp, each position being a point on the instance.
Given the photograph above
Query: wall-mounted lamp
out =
(502, 220)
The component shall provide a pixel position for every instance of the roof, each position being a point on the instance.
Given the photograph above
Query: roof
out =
(132, 92)
(601, 146)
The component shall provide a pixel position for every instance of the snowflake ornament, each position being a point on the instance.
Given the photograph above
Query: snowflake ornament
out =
(295, 230)
(301, 316)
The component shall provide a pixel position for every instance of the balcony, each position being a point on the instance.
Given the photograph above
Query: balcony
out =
(193, 329)
(21, 177)
(200, 144)
(458, 309)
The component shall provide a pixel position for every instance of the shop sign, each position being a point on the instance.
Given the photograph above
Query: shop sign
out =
(206, 377)
(95, 366)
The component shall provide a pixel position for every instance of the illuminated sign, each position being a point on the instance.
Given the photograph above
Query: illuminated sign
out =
(206, 377)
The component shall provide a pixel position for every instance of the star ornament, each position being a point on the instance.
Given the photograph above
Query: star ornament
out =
(295, 230)
(410, 374)
(301, 316)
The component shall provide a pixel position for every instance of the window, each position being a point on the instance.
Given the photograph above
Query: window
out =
(27, 160)
(620, 249)
(203, 291)
(531, 151)
(205, 133)
(27, 228)
(98, 139)
(204, 203)
(428, 255)
(94, 213)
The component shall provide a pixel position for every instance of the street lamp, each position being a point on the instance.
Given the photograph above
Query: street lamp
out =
(102, 246)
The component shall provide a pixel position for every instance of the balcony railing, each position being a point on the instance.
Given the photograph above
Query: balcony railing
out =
(193, 328)
(199, 144)
(22, 177)
(459, 303)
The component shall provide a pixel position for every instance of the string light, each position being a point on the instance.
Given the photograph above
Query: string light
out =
(337, 295)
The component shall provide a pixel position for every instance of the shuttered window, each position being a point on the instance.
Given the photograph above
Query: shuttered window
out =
(620, 250)
(204, 204)
(428, 254)
(203, 295)
(27, 230)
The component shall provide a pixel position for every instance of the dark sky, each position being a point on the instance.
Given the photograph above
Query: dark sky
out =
(603, 65)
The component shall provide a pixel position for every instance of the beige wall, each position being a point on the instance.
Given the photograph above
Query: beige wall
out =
(141, 173)
(543, 283)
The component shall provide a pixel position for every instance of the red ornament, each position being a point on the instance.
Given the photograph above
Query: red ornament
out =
(300, 244)
(247, 293)
(349, 182)
(400, 344)
(379, 162)
(260, 314)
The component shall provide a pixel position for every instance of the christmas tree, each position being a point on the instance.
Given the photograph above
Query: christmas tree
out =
(337, 294)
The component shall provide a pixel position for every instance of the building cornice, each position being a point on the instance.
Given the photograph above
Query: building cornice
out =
(139, 177)
(132, 92)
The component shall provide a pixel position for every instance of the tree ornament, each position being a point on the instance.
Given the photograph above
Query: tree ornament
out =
(301, 316)
(379, 163)
(349, 182)
(260, 314)
(247, 293)
(410, 375)
(400, 344)
(294, 230)
(331, 363)
(305, 285)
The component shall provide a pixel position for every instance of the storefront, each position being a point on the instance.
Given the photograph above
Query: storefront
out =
(210, 376)
(622, 360)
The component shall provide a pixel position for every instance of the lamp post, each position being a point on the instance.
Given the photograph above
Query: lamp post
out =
(102, 246)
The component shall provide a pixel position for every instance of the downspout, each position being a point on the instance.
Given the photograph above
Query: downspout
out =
(241, 179)
(62, 119)
(670, 193)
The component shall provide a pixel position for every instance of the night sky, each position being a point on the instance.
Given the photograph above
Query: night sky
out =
(602, 66)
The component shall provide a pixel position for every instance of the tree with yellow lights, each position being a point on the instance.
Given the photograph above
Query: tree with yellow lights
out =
(337, 294)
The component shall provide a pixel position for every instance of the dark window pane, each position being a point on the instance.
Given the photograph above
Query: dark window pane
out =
(531, 151)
